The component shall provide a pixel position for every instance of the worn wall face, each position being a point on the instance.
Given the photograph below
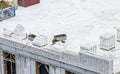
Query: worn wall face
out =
(56, 70)
(25, 65)
(1, 63)
(94, 64)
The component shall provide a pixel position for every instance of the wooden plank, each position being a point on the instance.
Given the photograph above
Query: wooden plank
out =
(8, 58)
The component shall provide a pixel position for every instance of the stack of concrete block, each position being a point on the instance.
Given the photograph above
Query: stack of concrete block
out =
(107, 41)
(7, 32)
(88, 47)
(60, 37)
(118, 34)
(40, 40)
(19, 30)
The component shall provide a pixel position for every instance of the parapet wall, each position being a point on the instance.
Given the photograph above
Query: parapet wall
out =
(85, 61)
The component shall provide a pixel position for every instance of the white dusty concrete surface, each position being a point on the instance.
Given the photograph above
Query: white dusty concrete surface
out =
(82, 20)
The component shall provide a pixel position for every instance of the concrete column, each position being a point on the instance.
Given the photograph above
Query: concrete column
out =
(52, 70)
(78, 73)
(25, 65)
(56, 70)
(19, 64)
(60, 71)
(33, 66)
(1, 63)
(22, 60)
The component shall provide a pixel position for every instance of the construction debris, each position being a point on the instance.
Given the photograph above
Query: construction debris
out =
(60, 37)
(31, 37)
(7, 13)
(19, 30)
(4, 4)
(14, 3)
(7, 32)
(40, 41)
